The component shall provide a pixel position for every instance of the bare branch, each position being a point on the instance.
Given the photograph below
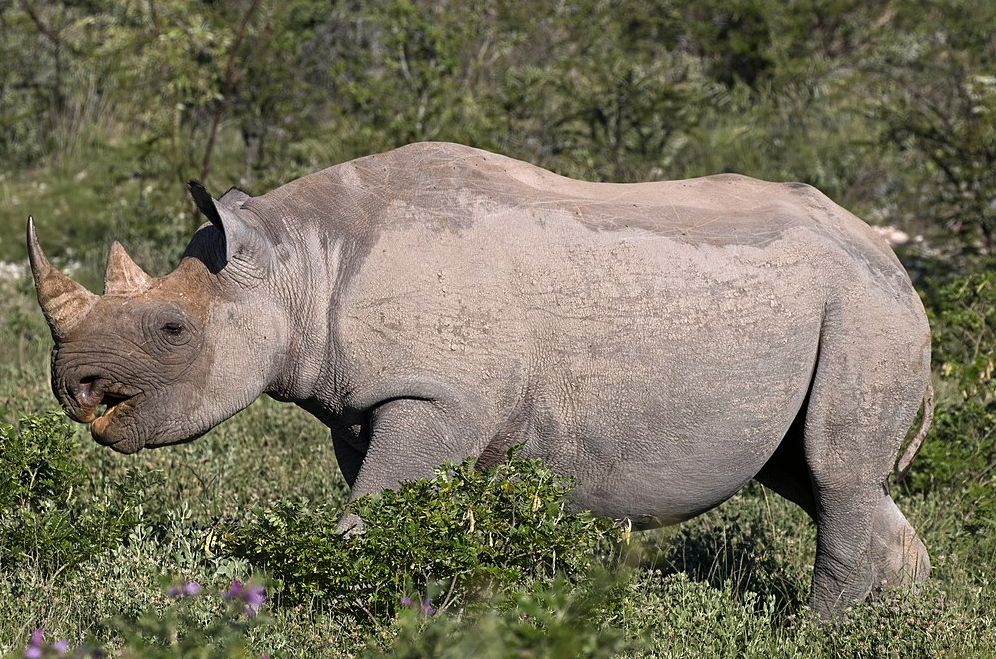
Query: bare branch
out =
(228, 84)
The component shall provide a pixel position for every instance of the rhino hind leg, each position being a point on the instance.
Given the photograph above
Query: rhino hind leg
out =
(843, 571)
(898, 556)
(864, 396)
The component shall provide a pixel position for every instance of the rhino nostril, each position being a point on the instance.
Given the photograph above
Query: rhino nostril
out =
(84, 391)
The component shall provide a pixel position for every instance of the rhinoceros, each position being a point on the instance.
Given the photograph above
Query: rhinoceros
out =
(662, 343)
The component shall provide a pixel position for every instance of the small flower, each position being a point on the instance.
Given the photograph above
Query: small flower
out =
(185, 588)
(234, 591)
(252, 596)
(35, 645)
(255, 596)
(406, 601)
(427, 608)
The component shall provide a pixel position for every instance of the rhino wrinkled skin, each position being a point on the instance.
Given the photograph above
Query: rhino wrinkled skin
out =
(663, 343)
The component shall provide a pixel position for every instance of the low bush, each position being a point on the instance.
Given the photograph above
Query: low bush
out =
(460, 533)
(43, 518)
(681, 617)
(901, 623)
(558, 619)
(180, 630)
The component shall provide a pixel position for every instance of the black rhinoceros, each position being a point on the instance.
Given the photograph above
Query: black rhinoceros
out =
(663, 343)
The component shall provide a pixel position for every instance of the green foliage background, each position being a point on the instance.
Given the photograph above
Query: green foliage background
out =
(107, 108)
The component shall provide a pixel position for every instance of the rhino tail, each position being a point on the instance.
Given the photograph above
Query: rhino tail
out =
(904, 461)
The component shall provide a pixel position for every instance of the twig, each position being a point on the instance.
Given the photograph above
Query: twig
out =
(226, 90)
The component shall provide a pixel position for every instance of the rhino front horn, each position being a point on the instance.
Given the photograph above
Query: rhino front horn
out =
(63, 301)
(123, 276)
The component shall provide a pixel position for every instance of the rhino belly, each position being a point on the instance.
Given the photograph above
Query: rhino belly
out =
(666, 479)
(662, 444)
(654, 494)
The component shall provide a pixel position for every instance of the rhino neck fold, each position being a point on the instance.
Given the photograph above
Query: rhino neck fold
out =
(308, 284)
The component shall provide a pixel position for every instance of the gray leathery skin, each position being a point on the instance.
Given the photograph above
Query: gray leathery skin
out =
(664, 343)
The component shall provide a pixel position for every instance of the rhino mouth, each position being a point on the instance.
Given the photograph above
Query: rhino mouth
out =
(111, 406)
(108, 406)
(94, 399)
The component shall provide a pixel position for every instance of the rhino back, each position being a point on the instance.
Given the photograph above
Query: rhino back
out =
(449, 186)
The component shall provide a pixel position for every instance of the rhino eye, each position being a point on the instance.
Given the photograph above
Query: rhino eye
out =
(173, 329)
(174, 332)
(167, 331)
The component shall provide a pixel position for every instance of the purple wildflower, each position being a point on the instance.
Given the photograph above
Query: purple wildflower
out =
(234, 591)
(185, 588)
(427, 608)
(252, 596)
(35, 645)
(406, 601)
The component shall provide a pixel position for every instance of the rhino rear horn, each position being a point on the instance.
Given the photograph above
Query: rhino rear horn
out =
(123, 276)
(63, 301)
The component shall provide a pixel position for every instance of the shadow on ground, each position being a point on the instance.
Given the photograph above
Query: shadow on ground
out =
(735, 547)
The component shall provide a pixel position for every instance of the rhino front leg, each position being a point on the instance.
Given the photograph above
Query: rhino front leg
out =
(409, 438)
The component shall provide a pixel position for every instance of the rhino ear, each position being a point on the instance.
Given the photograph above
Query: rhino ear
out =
(248, 255)
(205, 203)
(234, 198)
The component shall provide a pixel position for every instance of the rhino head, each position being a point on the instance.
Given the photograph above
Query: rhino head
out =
(168, 357)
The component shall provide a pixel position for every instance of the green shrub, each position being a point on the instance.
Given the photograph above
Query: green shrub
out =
(454, 535)
(558, 620)
(959, 456)
(900, 623)
(963, 315)
(181, 632)
(682, 617)
(43, 518)
(36, 463)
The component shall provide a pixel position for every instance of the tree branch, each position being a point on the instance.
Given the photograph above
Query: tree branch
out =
(228, 82)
